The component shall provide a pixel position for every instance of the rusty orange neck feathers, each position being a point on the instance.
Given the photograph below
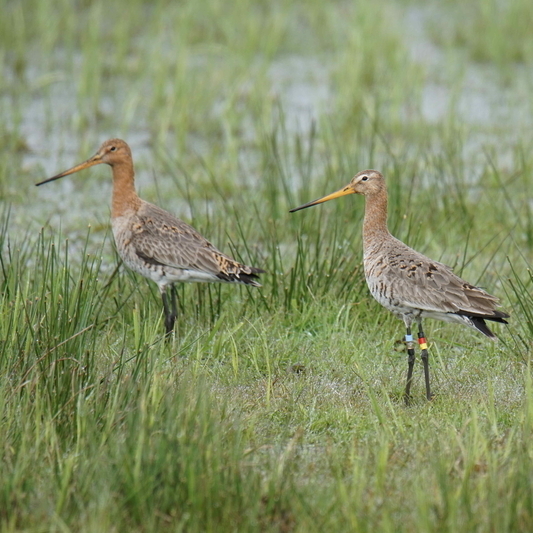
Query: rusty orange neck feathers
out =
(125, 197)
(375, 221)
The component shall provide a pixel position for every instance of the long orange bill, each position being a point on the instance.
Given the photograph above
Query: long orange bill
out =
(342, 192)
(95, 160)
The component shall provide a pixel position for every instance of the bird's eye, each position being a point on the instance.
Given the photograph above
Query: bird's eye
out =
(364, 178)
(113, 149)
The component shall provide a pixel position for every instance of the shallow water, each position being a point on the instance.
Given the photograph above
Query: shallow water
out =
(490, 113)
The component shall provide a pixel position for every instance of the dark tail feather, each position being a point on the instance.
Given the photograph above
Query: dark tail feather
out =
(241, 277)
(498, 317)
(479, 323)
(250, 279)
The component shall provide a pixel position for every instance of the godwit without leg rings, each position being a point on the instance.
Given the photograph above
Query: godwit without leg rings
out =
(155, 243)
(409, 284)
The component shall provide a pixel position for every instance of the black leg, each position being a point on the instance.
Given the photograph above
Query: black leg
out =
(170, 314)
(411, 363)
(425, 358)
(174, 295)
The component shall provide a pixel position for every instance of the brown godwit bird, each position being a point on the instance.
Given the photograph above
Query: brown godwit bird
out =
(155, 243)
(409, 284)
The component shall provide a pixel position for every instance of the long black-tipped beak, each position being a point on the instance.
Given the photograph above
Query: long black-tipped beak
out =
(342, 192)
(95, 160)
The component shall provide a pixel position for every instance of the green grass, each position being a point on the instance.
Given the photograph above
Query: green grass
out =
(489, 30)
(276, 409)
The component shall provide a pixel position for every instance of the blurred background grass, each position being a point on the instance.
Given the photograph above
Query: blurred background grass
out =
(277, 409)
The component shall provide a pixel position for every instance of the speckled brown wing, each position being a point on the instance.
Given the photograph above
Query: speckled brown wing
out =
(160, 238)
(422, 283)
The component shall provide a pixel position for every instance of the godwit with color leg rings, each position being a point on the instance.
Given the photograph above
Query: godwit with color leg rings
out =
(409, 284)
(155, 243)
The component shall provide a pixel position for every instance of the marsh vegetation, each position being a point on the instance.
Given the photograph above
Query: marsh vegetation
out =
(277, 409)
